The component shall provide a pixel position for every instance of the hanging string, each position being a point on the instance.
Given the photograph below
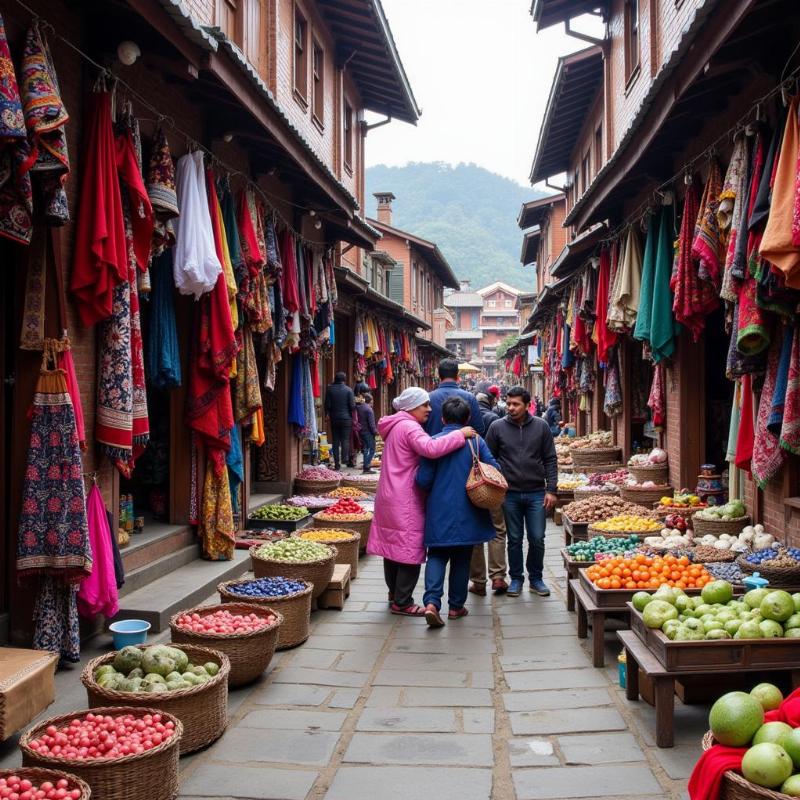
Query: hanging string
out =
(191, 143)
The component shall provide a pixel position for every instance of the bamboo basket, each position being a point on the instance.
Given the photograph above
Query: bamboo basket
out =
(736, 787)
(346, 549)
(777, 576)
(303, 486)
(733, 526)
(652, 472)
(295, 608)
(645, 497)
(38, 775)
(318, 573)
(203, 709)
(152, 775)
(587, 457)
(368, 487)
(359, 526)
(249, 653)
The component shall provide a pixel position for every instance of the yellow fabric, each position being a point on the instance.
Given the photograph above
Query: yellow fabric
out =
(257, 436)
(217, 531)
(230, 277)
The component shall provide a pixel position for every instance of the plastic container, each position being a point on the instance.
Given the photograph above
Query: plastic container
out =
(129, 631)
(755, 581)
(621, 669)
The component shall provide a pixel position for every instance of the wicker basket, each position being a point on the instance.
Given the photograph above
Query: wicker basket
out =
(733, 526)
(721, 555)
(583, 493)
(368, 487)
(346, 549)
(651, 472)
(360, 526)
(645, 497)
(249, 653)
(203, 709)
(318, 572)
(587, 457)
(295, 609)
(152, 775)
(777, 576)
(736, 787)
(38, 775)
(303, 486)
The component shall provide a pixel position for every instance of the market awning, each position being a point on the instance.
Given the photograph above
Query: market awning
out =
(576, 253)
(426, 344)
(530, 246)
(533, 212)
(551, 12)
(466, 368)
(578, 78)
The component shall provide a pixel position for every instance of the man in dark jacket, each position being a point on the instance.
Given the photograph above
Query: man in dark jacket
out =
(486, 406)
(340, 402)
(448, 387)
(553, 416)
(524, 447)
(366, 416)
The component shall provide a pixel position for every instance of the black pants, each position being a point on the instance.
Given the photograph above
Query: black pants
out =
(401, 580)
(340, 432)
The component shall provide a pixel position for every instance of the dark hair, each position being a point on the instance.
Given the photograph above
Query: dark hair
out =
(456, 411)
(448, 368)
(339, 377)
(519, 391)
(366, 397)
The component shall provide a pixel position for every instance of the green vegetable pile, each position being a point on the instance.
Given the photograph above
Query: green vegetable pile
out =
(278, 512)
(294, 550)
(155, 669)
(760, 614)
(588, 551)
(729, 511)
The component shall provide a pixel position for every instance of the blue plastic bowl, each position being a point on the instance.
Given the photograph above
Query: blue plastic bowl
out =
(129, 631)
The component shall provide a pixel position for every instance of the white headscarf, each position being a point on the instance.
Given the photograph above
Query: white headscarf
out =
(411, 398)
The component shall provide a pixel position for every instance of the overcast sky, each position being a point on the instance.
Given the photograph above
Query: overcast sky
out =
(481, 75)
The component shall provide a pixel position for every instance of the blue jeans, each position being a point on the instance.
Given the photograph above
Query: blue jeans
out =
(368, 447)
(459, 557)
(525, 510)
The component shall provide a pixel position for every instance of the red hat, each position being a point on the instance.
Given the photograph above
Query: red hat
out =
(494, 390)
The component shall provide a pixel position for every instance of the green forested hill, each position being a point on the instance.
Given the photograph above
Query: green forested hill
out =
(469, 212)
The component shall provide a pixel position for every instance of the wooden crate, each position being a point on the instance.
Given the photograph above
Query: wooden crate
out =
(338, 589)
(558, 517)
(615, 597)
(575, 531)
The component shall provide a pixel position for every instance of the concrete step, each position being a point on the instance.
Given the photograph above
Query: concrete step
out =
(157, 540)
(137, 579)
(263, 499)
(181, 588)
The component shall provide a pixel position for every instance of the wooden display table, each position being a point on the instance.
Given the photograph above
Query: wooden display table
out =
(572, 568)
(589, 611)
(639, 656)
(575, 531)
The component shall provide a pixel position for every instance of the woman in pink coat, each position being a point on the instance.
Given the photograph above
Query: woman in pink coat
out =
(398, 527)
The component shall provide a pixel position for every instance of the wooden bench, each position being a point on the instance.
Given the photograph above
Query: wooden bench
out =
(27, 687)
(588, 612)
(639, 656)
(338, 589)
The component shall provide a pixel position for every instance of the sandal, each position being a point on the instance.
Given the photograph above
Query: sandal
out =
(409, 611)
(457, 613)
(432, 616)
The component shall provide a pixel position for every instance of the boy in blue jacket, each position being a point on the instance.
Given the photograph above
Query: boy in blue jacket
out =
(452, 524)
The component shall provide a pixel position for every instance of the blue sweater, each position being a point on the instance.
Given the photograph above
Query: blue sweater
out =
(450, 517)
(447, 389)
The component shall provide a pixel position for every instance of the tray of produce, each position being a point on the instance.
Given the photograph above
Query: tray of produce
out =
(287, 518)
(625, 525)
(247, 538)
(596, 509)
(615, 581)
(316, 480)
(645, 493)
(314, 501)
(757, 629)
(350, 492)
(599, 547)
(683, 503)
(729, 518)
(750, 538)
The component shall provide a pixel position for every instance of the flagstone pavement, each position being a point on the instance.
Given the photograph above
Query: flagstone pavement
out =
(503, 704)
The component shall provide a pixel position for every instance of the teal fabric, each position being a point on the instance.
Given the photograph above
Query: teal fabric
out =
(663, 328)
(645, 316)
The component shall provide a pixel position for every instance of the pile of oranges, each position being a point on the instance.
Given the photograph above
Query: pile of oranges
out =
(645, 572)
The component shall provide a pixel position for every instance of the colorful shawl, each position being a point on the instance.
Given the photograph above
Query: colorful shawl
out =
(612, 403)
(45, 118)
(790, 429)
(768, 456)
(53, 535)
(247, 395)
(737, 363)
(707, 246)
(98, 593)
(645, 314)
(216, 529)
(657, 401)
(163, 351)
(163, 193)
(296, 411)
(662, 325)
(625, 303)
(732, 209)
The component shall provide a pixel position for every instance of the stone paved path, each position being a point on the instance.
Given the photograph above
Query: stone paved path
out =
(503, 704)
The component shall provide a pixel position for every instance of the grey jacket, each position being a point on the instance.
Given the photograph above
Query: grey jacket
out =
(526, 454)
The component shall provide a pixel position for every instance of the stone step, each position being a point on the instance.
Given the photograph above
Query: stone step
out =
(181, 588)
(263, 499)
(158, 539)
(137, 579)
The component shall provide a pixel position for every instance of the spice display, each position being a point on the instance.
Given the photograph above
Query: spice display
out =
(595, 509)
(628, 522)
(16, 788)
(328, 535)
(599, 546)
(294, 550)
(280, 512)
(95, 736)
(267, 587)
(224, 622)
(345, 511)
(351, 492)
(319, 474)
(646, 572)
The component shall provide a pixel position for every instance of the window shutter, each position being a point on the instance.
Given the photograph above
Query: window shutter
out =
(396, 283)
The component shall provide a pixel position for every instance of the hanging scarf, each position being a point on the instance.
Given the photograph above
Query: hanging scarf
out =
(310, 428)
(732, 207)
(625, 294)
(66, 362)
(790, 429)
(707, 246)
(163, 351)
(657, 401)
(645, 313)
(612, 403)
(221, 244)
(98, 593)
(216, 529)
(605, 338)
(662, 325)
(737, 363)
(100, 261)
(778, 400)
(767, 457)
(234, 460)
(162, 191)
(746, 433)
(733, 428)
(45, 118)
(53, 535)
(296, 411)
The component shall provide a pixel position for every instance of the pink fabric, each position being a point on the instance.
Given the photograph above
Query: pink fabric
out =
(98, 592)
(398, 527)
(66, 363)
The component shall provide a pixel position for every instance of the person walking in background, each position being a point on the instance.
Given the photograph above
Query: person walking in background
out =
(453, 526)
(448, 387)
(526, 452)
(486, 405)
(366, 416)
(340, 403)
(398, 526)
(553, 416)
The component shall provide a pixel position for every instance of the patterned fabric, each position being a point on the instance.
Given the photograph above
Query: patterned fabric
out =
(56, 626)
(775, 420)
(216, 530)
(733, 203)
(46, 119)
(767, 454)
(163, 352)
(612, 404)
(707, 246)
(247, 398)
(790, 430)
(737, 363)
(53, 535)
(32, 334)
(657, 401)
(162, 191)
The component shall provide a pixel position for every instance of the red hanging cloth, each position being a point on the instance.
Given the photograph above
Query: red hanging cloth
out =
(606, 338)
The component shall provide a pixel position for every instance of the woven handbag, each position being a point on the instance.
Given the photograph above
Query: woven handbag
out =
(486, 487)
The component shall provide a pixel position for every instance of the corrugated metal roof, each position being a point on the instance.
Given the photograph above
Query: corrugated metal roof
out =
(187, 23)
(551, 12)
(463, 300)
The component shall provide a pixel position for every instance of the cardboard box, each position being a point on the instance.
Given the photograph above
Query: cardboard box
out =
(27, 687)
